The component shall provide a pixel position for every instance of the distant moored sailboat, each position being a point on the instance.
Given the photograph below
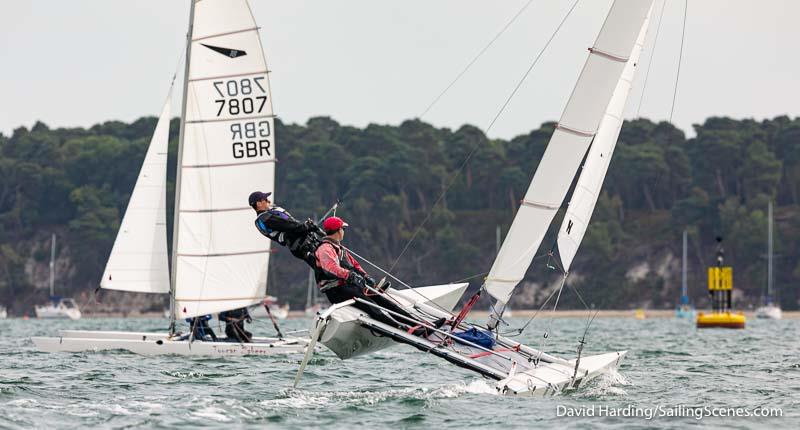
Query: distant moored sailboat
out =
(770, 309)
(58, 307)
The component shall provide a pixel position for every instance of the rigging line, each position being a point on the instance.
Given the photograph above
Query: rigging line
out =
(652, 56)
(408, 287)
(535, 61)
(680, 58)
(548, 254)
(470, 277)
(524, 326)
(178, 66)
(331, 209)
(579, 296)
(557, 264)
(469, 65)
(476, 146)
(550, 322)
(587, 308)
(581, 343)
(499, 316)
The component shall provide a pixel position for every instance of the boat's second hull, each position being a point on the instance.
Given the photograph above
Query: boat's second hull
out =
(161, 344)
(346, 337)
(551, 378)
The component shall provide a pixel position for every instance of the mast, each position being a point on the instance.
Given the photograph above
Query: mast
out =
(769, 253)
(178, 169)
(684, 289)
(497, 240)
(310, 300)
(52, 265)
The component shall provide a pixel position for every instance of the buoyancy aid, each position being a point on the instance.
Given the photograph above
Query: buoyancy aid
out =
(326, 280)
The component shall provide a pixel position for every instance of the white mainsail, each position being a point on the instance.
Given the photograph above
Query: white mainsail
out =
(574, 132)
(584, 198)
(227, 150)
(139, 260)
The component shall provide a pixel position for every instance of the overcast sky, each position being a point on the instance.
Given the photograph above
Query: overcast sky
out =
(80, 62)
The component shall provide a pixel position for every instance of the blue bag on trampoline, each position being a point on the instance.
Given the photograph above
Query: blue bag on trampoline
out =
(478, 337)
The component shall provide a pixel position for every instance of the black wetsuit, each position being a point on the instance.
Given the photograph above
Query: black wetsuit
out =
(346, 292)
(302, 238)
(234, 325)
(200, 328)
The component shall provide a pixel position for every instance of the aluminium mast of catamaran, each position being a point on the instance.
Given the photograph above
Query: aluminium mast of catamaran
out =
(178, 170)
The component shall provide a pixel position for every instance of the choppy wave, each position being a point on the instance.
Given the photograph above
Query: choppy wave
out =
(669, 363)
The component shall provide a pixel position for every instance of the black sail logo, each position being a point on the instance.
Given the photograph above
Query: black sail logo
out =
(228, 52)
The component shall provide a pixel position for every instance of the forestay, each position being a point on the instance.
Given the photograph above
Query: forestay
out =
(138, 260)
(575, 130)
(227, 150)
(590, 181)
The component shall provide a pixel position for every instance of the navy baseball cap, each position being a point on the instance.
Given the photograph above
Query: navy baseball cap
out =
(257, 196)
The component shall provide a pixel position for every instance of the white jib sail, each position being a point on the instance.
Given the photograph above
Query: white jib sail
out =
(590, 181)
(228, 151)
(139, 260)
(575, 130)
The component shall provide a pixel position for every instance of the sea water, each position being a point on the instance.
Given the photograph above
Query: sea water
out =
(674, 376)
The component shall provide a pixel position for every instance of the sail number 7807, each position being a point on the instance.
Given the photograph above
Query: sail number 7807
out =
(240, 96)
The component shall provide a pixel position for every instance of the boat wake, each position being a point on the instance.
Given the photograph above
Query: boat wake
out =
(212, 413)
(476, 386)
(607, 384)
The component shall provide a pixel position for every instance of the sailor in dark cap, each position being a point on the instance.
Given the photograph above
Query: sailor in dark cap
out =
(276, 223)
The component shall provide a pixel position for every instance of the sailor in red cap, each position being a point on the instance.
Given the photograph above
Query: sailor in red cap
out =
(341, 278)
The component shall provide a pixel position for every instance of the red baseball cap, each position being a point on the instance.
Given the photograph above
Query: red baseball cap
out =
(333, 224)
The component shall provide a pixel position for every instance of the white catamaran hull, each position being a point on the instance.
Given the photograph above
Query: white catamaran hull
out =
(509, 364)
(160, 344)
(347, 337)
(515, 372)
(550, 378)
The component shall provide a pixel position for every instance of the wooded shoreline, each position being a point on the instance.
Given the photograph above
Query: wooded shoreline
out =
(478, 315)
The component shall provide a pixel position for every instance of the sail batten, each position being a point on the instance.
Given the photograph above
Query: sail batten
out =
(138, 259)
(228, 150)
(236, 75)
(571, 138)
(225, 34)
